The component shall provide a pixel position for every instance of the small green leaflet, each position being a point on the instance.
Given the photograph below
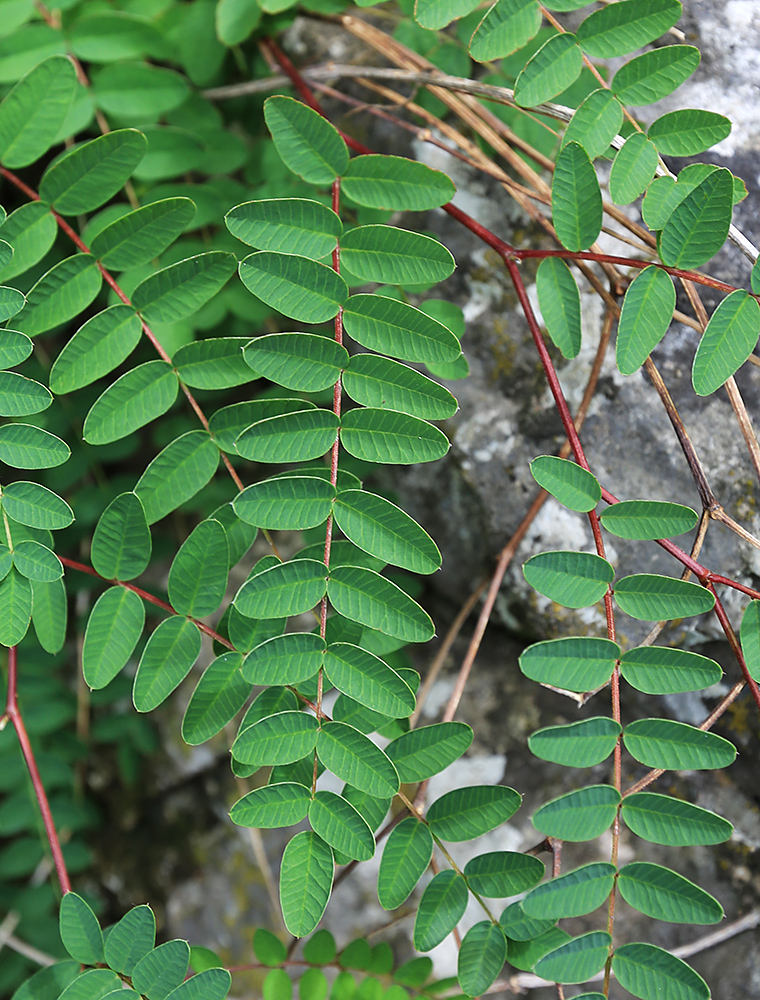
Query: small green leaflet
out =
(699, 225)
(210, 984)
(689, 131)
(560, 304)
(235, 20)
(573, 894)
(389, 437)
(177, 473)
(98, 346)
(481, 957)
(291, 437)
(384, 530)
(549, 71)
(23, 446)
(272, 806)
(652, 598)
(405, 859)
(396, 328)
(572, 579)
(218, 697)
(503, 873)
(626, 26)
(580, 815)
(138, 92)
(276, 739)
(396, 184)
(213, 363)
(642, 519)
(109, 37)
(91, 173)
(289, 588)
(285, 659)
(595, 123)
(162, 970)
(34, 110)
(303, 289)
(428, 750)
(130, 939)
(506, 27)
(113, 629)
(662, 819)
(12, 301)
(14, 348)
(142, 235)
(440, 909)
(121, 545)
(32, 230)
(93, 983)
(664, 670)
(36, 561)
(308, 144)
(438, 13)
(305, 362)
(198, 573)
(134, 400)
(576, 663)
(368, 680)
(664, 895)
(355, 759)
(576, 197)
(525, 953)
(469, 812)
(649, 77)
(167, 659)
(306, 876)
(287, 225)
(650, 972)
(634, 166)
(577, 960)
(60, 294)
(337, 822)
(364, 596)
(15, 607)
(728, 340)
(518, 926)
(579, 744)
(320, 949)
(750, 638)
(647, 311)
(49, 614)
(182, 288)
(574, 486)
(676, 746)
(286, 502)
(380, 382)
(21, 396)
(80, 931)
(395, 256)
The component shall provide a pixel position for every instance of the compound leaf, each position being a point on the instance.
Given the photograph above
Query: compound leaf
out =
(574, 486)
(518, 926)
(395, 256)
(80, 931)
(396, 184)
(368, 680)
(634, 166)
(728, 340)
(21, 396)
(162, 969)
(576, 197)
(60, 294)
(676, 746)
(91, 173)
(36, 561)
(213, 363)
(576, 663)
(689, 131)
(15, 607)
(130, 939)
(595, 123)
(177, 473)
(23, 446)
(384, 530)
(580, 815)
(389, 437)
(31, 229)
(466, 813)
(380, 382)
(573, 579)
(641, 519)
(405, 859)
(650, 597)
(699, 225)
(14, 348)
(49, 614)
(285, 659)
(306, 876)
(167, 659)
(34, 110)
(503, 873)
(580, 744)
(296, 286)
(650, 77)
(113, 628)
(286, 503)
(438, 13)
(289, 437)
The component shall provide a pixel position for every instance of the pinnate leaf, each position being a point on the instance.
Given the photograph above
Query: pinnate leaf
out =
(276, 739)
(633, 168)
(287, 225)
(573, 894)
(576, 663)
(368, 680)
(364, 596)
(380, 382)
(285, 659)
(573, 579)
(182, 288)
(698, 227)
(140, 236)
(395, 256)
(396, 328)
(503, 873)
(60, 294)
(389, 437)
(286, 502)
(130, 939)
(643, 519)
(121, 544)
(162, 970)
(647, 311)
(291, 437)
(336, 821)
(577, 960)
(665, 670)
(134, 400)
(177, 473)
(213, 363)
(286, 589)
(299, 287)
(689, 131)
(427, 750)
(650, 77)
(595, 123)
(384, 530)
(220, 694)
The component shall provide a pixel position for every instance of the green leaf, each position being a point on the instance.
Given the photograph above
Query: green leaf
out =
(299, 287)
(214, 363)
(663, 670)
(560, 304)
(368, 598)
(302, 361)
(37, 562)
(405, 859)
(36, 506)
(290, 588)
(698, 227)
(440, 909)
(481, 957)
(176, 474)
(595, 123)
(23, 49)
(111, 36)
(368, 680)
(524, 954)
(615, 31)
(98, 346)
(391, 327)
(134, 400)
(750, 638)
(651, 973)
(380, 382)
(518, 926)
(20, 396)
(438, 13)
(664, 895)
(506, 27)
(14, 348)
(182, 288)
(90, 174)
(11, 302)
(268, 948)
(571, 484)
(580, 815)
(121, 545)
(356, 760)
(92, 985)
(167, 659)
(308, 144)
(31, 230)
(285, 659)
(48, 982)
(272, 806)
(634, 166)
(503, 873)
(80, 931)
(130, 939)
(576, 197)
(287, 225)
(676, 746)
(689, 131)
(140, 236)
(337, 822)
(235, 20)
(395, 256)
(389, 437)
(549, 71)
(23, 446)
(650, 77)
(218, 697)
(306, 876)
(291, 437)
(211, 984)
(728, 340)
(60, 294)
(276, 739)
(171, 152)
(647, 311)
(384, 530)
(138, 92)
(642, 519)
(576, 961)
(34, 110)
(287, 502)
(161, 970)
(396, 184)
(320, 949)
(662, 819)
(649, 597)
(49, 614)
(466, 813)
(428, 750)
(572, 579)
(198, 574)
(580, 744)
(113, 628)
(571, 895)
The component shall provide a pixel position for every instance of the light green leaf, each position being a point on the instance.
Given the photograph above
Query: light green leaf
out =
(287, 225)
(649, 597)
(80, 931)
(405, 859)
(14, 348)
(750, 637)
(219, 695)
(368, 680)
(629, 24)
(337, 822)
(384, 530)
(662, 819)
(380, 382)
(580, 744)
(268, 948)
(15, 608)
(22, 50)
(198, 574)
(33, 112)
(171, 152)
(571, 484)
(634, 166)
(140, 236)
(49, 614)
(466, 813)
(285, 659)
(306, 876)
(93, 984)
(481, 957)
(161, 970)
(130, 939)
(503, 873)
(320, 949)
(23, 446)
(355, 759)
(698, 227)
(663, 670)
(98, 346)
(440, 909)
(138, 92)
(296, 286)
(229, 423)
(31, 230)
(650, 77)
(272, 806)
(214, 363)
(177, 473)
(113, 629)
(20, 396)
(134, 400)
(366, 597)
(308, 144)
(595, 123)
(664, 895)
(647, 311)
(676, 746)
(391, 327)
(12, 301)
(37, 562)
(302, 361)
(642, 519)
(115, 35)
(93, 172)
(549, 71)
(689, 131)
(438, 13)
(428, 750)
(506, 27)
(182, 288)
(60, 294)
(167, 659)
(276, 739)
(576, 197)
(728, 340)
(578, 960)
(518, 926)
(580, 815)
(235, 20)
(286, 503)
(290, 588)
(572, 579)
(560, 304)
(651, 973)
(524, 954)
(573, 894)
(395, 256)
(396, 184)
(389, 437)
(211, 984)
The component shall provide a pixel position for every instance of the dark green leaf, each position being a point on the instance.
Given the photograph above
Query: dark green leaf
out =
(290, 588)
(218, 697)
(750, 637)
(664, 895)
(308, 144)
(649, 518)
(634, 166)
(211, 984)
(285, 659)
(380, 382)
(481, 957)
(524, 954)
(161, 970)
(276, 739)
(440, 909)
(549, 71)
(368, 598)
(389, 437)
(577, 663)
(466, 813)
(80, 931)
(33, 112)
(36, 506)
(573, 894)
(676, 745)
(595, 123)
(405, 859)
(302, 361)
(31, 229)
(427, 750)
(578, 960)
(235, 20)
(182, 288)
(655, 598)
(395, 256)
(130, 939)
(396, 184)
(560, 303)
(287, 225)
(503, 873)
(24, 446)
(663, 670)
(573, 579)
(134, 400)
(627, 25)
(647, 311)
(356, 760)
(651, 973)
(93, 172)
(167, 659)
(121, 544)
(649, 77)
(368, 680)
(287, 502)
(518, 926)
(21, 396)
(396, 328)
(576, 197)
(36, 561)
(689, 131)
(337, 822)
(506, 27)
(214, 363)
(292, 437)
(296, 286)
(728, 340)
(142, 235)
(571, 484)
(580, 815)
(114, 626)
(580, 744)
(49, 614)
(272, 806)
(698, 227)
(60, 294)
(177, 473)
(198, 574)
(98, 346)
(14, 348)
(384, 530)
(663, 819)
